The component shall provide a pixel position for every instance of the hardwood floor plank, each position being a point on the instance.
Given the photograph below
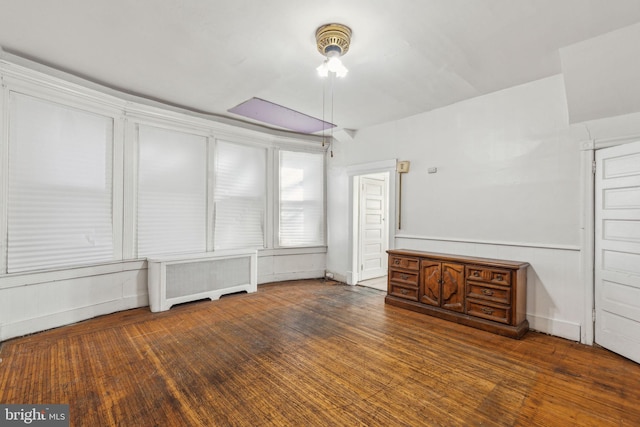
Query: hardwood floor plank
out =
(313, 353)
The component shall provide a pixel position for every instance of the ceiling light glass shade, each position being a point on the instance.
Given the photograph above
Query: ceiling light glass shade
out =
(323, 70)
(335, 66)
(332, 64)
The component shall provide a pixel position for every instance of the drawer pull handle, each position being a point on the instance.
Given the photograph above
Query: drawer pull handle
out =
(476, 274)
(499, 277)
(487, 292)
(404, 276)
(487, 310)
(404, 291)
(396, 261)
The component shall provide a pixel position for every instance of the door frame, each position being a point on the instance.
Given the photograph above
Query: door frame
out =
(354, 172)
(588, 226)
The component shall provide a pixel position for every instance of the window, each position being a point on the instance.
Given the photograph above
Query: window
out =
(301, 199)
(172, 192)
(240, 194)
(60, 186)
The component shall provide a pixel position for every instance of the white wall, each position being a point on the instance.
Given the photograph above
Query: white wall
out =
(291, 264)
(505, 159)
(507, 186)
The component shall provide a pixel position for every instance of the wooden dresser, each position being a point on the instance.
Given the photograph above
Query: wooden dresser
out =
(487, 294)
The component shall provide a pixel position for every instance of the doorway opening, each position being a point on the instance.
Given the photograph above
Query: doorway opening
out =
(386, 170)
(371, 193)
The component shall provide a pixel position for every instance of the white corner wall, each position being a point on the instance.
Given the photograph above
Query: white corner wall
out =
(507, 186)
(291, 264)
(601, 75)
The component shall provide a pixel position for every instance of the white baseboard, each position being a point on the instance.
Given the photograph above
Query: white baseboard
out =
(559, 328)
(342, 278)
(281, 277)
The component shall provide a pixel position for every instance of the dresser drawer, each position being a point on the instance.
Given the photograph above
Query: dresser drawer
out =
(490, 275)
(403, 292)
(489, 311)
(489, 292)
(404, 277)
(404, 262)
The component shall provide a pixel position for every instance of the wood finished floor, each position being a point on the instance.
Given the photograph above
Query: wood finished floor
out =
(311, 353)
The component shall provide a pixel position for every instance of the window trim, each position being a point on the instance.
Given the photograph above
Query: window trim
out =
(79, 104)
(136, 193)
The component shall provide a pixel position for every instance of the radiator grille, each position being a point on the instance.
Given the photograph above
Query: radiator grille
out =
(207, 275)
(180, 278)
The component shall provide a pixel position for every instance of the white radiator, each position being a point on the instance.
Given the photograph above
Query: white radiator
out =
(189, 277)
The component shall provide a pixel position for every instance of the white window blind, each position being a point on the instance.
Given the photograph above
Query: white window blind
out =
(301, 199)
(239, 196)
(60, 186)
(172, 192)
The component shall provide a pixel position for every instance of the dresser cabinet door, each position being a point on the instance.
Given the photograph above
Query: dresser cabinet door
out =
(453, 286)
(431, 279)
(442, 284)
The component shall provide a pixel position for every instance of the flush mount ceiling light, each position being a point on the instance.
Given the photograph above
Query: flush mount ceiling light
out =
(333, 42)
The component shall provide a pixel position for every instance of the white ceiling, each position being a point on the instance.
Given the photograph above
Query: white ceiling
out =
(406, 56)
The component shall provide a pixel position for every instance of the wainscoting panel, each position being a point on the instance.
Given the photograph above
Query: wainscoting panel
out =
(36, 307)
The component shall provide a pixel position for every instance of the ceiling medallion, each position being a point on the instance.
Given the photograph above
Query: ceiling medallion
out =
(333, 37)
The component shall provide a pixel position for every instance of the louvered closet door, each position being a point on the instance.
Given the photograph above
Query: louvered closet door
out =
(617, 262)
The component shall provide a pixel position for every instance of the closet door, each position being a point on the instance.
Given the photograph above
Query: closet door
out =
(617, 259)
(372, 234)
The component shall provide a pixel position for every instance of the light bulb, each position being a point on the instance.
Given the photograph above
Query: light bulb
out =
(341, 71)
(323, 70)
(332, 64)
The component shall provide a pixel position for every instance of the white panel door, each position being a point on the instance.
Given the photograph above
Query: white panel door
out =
(617, 260)
(373, 229)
